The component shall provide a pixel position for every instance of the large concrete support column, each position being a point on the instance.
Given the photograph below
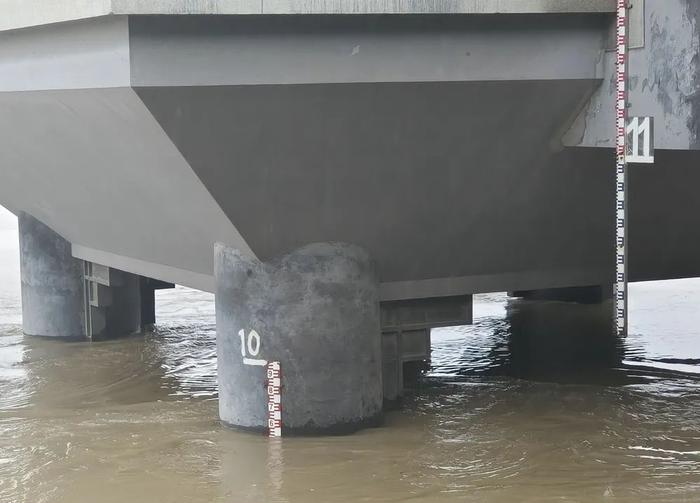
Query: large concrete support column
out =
(316, 311)
(52, 282)
(66, 297)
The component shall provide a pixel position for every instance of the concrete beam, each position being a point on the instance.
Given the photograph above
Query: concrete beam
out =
(594, 294)
(15, 14)
(430, 6)
(83, 55)
(197, 51)
(487, 283)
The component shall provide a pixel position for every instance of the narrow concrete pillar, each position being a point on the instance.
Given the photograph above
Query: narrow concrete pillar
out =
(113, 302)
(52, 282)
(148, 304)
(556, 340)
(316, 311)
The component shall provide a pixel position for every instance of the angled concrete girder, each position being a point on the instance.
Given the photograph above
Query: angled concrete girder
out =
(95, 166)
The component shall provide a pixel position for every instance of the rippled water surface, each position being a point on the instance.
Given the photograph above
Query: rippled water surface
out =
(534, 402)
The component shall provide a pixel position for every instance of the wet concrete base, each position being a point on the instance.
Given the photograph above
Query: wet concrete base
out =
(316, 311)
(312, 430)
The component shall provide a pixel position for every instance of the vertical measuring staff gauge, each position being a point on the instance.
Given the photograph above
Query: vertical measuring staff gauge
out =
(274, 399)
(634, 143)
(250, 349)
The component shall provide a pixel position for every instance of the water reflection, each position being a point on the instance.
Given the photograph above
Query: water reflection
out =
(186, 340)
(534, 402)
(539, 340)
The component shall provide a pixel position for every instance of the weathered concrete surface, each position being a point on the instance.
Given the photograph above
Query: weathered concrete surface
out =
(664, 81)
(20, 13)
(52, 282)
(54, 290)
(316, 311)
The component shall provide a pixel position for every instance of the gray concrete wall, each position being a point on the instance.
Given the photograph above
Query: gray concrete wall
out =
(52, 282)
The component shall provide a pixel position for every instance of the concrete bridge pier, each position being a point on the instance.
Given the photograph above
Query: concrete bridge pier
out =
(316, 311)
(52, 282)
(66, 297)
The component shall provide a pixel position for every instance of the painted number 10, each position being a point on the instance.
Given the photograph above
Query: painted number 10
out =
(250, 348)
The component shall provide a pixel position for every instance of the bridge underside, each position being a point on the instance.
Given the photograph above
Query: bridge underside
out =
(426, 176)
(436, 180)
(307, 169)
(435, 144)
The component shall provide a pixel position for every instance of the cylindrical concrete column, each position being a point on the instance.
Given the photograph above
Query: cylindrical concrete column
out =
(52, 282)
(316, 311)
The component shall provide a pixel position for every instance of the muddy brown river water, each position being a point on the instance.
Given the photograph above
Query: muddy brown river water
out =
(534, 402)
